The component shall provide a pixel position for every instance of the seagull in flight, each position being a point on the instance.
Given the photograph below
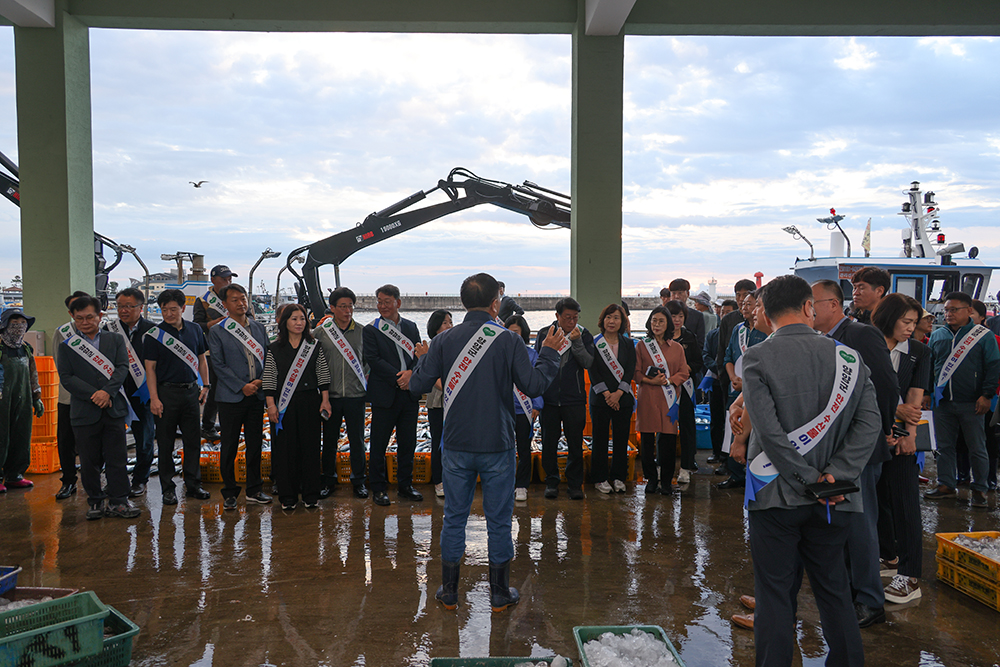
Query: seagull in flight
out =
(198, 184)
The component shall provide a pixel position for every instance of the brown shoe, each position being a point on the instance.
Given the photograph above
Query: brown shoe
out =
(941, 491)
(748, 601)
(743, 621)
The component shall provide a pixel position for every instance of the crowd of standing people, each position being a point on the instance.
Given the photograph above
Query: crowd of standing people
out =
(815, 416)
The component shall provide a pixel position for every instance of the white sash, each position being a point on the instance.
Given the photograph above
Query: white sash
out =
(214, 302)
(392, 332)
(807, 436)
(93, 356)
(294, 375)
(609, 359)
(525, 402)
(960, 352)
(344, 347)
(669, 392)
(178, 348)
(66, 330)
(243, 335)
(466, 362)
(566, 343)
(135, 367)
(742, 336)
(689, 387)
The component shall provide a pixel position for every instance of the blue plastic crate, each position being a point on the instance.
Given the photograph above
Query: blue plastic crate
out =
(8, 577)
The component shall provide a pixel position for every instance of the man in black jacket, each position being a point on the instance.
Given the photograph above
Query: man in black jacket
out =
(93, 369)
(508, 306)
(726, 326)
(566, 400)
(209, 310)
(389, 350)
(679, 289)
(862, 541)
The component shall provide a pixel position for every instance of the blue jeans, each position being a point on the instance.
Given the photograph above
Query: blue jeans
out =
(144, 430)
(949, 417)
(496, 473)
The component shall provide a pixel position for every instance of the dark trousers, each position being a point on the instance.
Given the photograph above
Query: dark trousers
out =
(180, 408)
(964, 464)
(402, 416)
(900, 531)
(349, 411)
(666, 443)
(295, 457)
(687, 432)
(15, 429)
(435, 418)
(717, 408)
(144, 431)
(66, 443)
(862, 541)
(522, 440)
(103, 445)
(603, 418)
(211, 408)
(571, 419)
(783, 542)
(248, 416)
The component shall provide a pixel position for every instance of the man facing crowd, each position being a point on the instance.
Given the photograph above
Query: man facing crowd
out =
(132, 326)
(390, 350)
(679, 289)
(238, 345)
(209, 310)
(479, 364)
(870, 284)
(175, 360)
(792, 381)
(343, 345)
(65, 440)
(565, 408)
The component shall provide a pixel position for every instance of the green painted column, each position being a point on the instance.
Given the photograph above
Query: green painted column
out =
(596, 242)
(56, 166)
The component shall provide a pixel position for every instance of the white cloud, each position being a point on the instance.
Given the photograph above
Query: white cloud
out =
(742, 68)
(856, 56)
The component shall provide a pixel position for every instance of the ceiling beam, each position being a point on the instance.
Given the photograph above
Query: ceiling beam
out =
(605, 18)
(29, 13)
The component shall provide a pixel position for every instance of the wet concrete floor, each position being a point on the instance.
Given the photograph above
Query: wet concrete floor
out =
(353, 583)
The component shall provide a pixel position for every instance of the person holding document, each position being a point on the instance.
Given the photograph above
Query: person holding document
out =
(815, 419)
(238, 345)
(480, 363)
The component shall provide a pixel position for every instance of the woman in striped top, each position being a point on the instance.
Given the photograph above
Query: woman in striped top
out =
(295, 454)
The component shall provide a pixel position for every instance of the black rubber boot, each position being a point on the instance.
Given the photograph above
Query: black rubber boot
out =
(501, 594)
(447, 593)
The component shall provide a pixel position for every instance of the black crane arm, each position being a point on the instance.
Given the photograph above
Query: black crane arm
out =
(464, 190)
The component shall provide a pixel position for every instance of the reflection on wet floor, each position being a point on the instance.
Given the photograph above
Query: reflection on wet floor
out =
(353, 584)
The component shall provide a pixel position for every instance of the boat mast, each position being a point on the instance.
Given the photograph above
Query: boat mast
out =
(917, 243)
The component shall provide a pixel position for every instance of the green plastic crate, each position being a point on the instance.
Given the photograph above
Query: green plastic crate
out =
(52, 633)
(585, 633)
(117, 650)
(489, 662)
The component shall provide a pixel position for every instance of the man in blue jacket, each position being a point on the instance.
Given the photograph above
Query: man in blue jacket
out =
(479, 362)
(966, 369)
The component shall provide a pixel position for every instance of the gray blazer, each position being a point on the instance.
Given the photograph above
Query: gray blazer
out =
(787, 381)
(81, 380)
(229, 361)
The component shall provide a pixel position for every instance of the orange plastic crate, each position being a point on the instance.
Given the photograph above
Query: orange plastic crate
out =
(241, 466)
(44, 457)
(967, 559)
(344, 467)
(44, 429)
(976, 587)
(422, 468)
(390, 467)
(561, 462)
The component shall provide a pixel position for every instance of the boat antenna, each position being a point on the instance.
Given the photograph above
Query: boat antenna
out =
(833, 222)
(796, 234)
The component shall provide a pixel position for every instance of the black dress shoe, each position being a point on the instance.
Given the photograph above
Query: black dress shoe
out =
(409, 493)
(713, 459)
(325, 492)
(381, 498)
(721, 470)
(651, 487)
(169, 498)
(731, 483)
(361, 491)
(198, 492)
(65, 491)
(552, 492)
(868, 615)
(229, 503)
(575, 494)
(137, 490)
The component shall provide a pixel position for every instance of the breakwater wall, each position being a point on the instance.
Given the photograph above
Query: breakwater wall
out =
(453, 302)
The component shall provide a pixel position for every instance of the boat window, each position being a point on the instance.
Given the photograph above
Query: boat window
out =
(940, 285)
(971, 284)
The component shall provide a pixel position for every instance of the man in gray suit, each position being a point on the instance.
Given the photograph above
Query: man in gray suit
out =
(92, 370)
(814, 419)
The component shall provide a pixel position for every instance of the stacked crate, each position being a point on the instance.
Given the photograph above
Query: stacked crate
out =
(44, 453)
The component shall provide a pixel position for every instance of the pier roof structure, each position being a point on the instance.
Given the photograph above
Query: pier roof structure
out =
(54, 106)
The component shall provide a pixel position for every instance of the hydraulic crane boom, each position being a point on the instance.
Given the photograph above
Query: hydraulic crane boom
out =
(464, 190)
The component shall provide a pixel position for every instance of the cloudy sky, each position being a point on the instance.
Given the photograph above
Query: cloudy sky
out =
(727, 140)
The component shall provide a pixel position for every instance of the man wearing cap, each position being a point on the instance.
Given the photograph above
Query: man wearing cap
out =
(209, 310)
(703, 304)
(20, 393)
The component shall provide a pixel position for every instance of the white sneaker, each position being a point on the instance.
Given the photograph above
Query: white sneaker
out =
(520, 494)
(684, 476)
(603, 487)
(439, 490)
(902, 589)
(619, 486)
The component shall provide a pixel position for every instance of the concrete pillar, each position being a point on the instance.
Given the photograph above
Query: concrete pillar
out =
(596, 242)
(56, 166)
